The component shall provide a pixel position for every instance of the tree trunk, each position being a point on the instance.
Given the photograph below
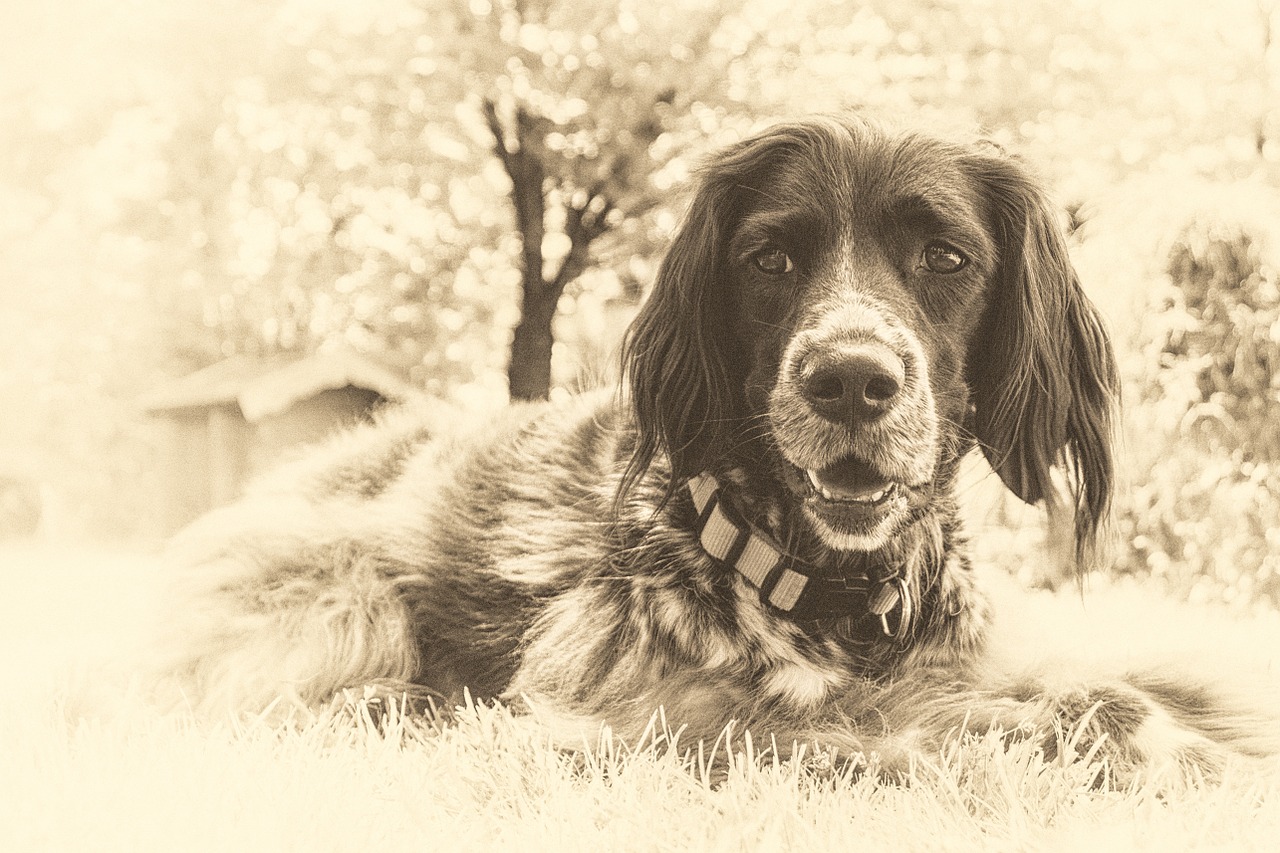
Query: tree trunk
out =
(529, 372)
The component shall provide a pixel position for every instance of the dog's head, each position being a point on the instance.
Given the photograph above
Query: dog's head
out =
(855, 308)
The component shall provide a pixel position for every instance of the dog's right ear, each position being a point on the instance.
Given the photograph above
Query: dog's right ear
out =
(676, 356)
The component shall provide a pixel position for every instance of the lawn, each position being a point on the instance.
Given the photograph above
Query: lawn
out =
(88, 765)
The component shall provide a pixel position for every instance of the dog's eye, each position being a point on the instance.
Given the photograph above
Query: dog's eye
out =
(943, 258)
(772, 261)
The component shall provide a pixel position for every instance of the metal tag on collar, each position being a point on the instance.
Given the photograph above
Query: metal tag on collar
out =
(891, 593)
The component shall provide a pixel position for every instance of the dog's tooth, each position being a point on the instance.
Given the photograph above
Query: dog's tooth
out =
(827, 494)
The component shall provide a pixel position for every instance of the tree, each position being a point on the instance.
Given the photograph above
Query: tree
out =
(584, 103)
(326, 200)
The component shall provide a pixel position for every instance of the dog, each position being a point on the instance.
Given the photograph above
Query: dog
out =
(761, 528)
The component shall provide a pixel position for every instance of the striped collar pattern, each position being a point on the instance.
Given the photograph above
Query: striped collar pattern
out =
(783, 582)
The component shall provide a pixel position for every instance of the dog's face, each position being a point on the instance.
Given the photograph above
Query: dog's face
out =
(859, 305)
(857, 279)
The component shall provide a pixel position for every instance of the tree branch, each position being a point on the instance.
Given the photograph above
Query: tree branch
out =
(525, 168)
(499, 135)
(582, 227)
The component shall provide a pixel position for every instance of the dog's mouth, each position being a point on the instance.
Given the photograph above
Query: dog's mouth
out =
(849, 481)
(851, 497)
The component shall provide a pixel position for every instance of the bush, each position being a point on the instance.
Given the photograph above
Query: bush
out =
(1203, 508)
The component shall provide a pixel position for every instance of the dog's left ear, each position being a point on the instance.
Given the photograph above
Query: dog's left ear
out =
(680, 365)
(676, 356)
(1041, 370)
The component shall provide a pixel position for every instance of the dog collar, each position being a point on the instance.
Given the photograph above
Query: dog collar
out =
(784, 583)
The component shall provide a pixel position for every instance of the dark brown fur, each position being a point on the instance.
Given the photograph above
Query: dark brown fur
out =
(550, 556)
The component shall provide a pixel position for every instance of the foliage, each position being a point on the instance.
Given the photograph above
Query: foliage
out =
(322, 202)
(1202, 513)
(76, 333)
(587, 106)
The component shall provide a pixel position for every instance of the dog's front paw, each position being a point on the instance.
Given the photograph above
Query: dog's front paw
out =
(1130, 736)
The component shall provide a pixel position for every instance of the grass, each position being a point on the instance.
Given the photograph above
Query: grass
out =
(86, 764)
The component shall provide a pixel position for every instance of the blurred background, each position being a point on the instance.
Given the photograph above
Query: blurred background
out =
(228, 226)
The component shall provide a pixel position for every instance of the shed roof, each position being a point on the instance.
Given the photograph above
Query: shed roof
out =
(264, 386)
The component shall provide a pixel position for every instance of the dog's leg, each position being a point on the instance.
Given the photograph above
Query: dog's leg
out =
(1157, 731)
(279, 608)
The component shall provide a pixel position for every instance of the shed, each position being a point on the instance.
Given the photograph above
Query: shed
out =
(235, 418)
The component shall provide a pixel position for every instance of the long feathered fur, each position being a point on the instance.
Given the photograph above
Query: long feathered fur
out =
(551, 557)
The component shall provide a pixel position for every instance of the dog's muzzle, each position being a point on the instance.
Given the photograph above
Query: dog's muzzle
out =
(853, 416)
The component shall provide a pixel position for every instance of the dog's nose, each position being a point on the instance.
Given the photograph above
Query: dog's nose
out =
(853, 384)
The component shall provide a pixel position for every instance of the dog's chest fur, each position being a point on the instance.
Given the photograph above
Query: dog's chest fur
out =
(519, 580)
